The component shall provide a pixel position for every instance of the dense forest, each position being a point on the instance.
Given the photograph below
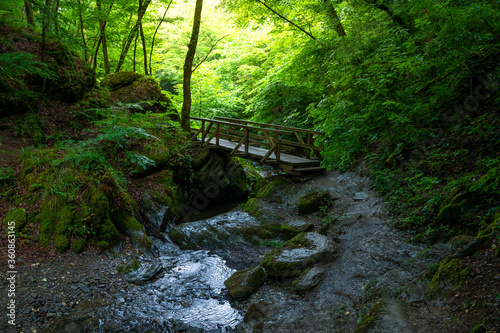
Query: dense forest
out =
(96, 98)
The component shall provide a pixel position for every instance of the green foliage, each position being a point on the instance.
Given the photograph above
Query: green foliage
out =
(17, 64)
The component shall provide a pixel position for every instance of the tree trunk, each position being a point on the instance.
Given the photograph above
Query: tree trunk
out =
(143, 40)
(131, 36)
(80, 17)
(45, 23)
(395, 18)
(28, 7)
(335, 18)
(154, 36)
(135, 49)
(188, 67)
(56, 11)
(102, 37)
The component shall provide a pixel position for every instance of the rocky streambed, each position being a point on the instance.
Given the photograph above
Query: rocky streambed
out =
(300, 256)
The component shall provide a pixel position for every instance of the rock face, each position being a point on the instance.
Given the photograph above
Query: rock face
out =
(138, 273)
(297, 254)
(244, 283)
(312, 202)
(218, 178)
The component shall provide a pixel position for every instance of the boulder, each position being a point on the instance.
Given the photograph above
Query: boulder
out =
(312, 202)
(121, 79)
(18, 216)
(308, 279)
(244, 283)
(229, 229)
(297, 254)
(136, 272)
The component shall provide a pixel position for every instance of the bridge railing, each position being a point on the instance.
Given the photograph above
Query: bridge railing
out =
(305, 138)
(247, 134)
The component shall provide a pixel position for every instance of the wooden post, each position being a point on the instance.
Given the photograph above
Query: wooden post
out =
(217, 132)
(247, 141)
(278, 146)
(203, 134)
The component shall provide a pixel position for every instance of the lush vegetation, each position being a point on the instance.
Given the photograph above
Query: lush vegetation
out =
(407, 89)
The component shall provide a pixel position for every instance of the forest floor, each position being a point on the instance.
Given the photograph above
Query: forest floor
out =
(50, 285)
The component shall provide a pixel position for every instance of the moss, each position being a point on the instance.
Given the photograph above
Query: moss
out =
(78, 246)
(129, 266)
(267, 186)
(17, 215)
(117, 80)
(61, 243)
(107, 232)
(102, 245)
(365, 325)
(244, 283)
(177, 236)
(478, 329)
(449, 277)
(56, 216)
(312, 202)
(287, 268)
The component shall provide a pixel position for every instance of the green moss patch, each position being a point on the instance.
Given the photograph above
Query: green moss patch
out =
(312, 202)
(244, 283)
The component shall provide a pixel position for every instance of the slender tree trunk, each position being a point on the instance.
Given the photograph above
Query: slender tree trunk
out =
(80, 17)
(102, 29)
(335, 18)
(131, 36)
(96, 52)
(154, 36)
(28, 8)
(45, 23)
(56, 12)
(143, 40)
(135, 48)
(188, 67)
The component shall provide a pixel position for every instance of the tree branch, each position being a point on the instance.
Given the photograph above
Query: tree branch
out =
(284, 18)
(210, 51)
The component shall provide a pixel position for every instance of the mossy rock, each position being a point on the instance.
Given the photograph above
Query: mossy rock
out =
(365, 325)
(78, 246)
(261, 211)
(61, 243)
(312, 202)
(266, 187)
(115, 81)
(386, 315)
(307, 280)
(449, 277)
(56, 216)
(136, 272)
(297, 254)
(244, 283)
(143, 89)
(18, 216)
(128, 267)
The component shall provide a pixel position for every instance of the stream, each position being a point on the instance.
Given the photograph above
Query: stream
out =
(189, 295)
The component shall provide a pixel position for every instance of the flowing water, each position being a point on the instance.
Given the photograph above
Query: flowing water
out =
(189, 294)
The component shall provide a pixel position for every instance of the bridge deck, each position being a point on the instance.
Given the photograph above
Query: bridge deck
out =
(258, 153)
(267, 143)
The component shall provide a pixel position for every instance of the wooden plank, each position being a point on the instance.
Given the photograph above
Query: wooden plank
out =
(288, 128)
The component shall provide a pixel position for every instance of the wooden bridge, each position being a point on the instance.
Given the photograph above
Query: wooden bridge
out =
(292, 149)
